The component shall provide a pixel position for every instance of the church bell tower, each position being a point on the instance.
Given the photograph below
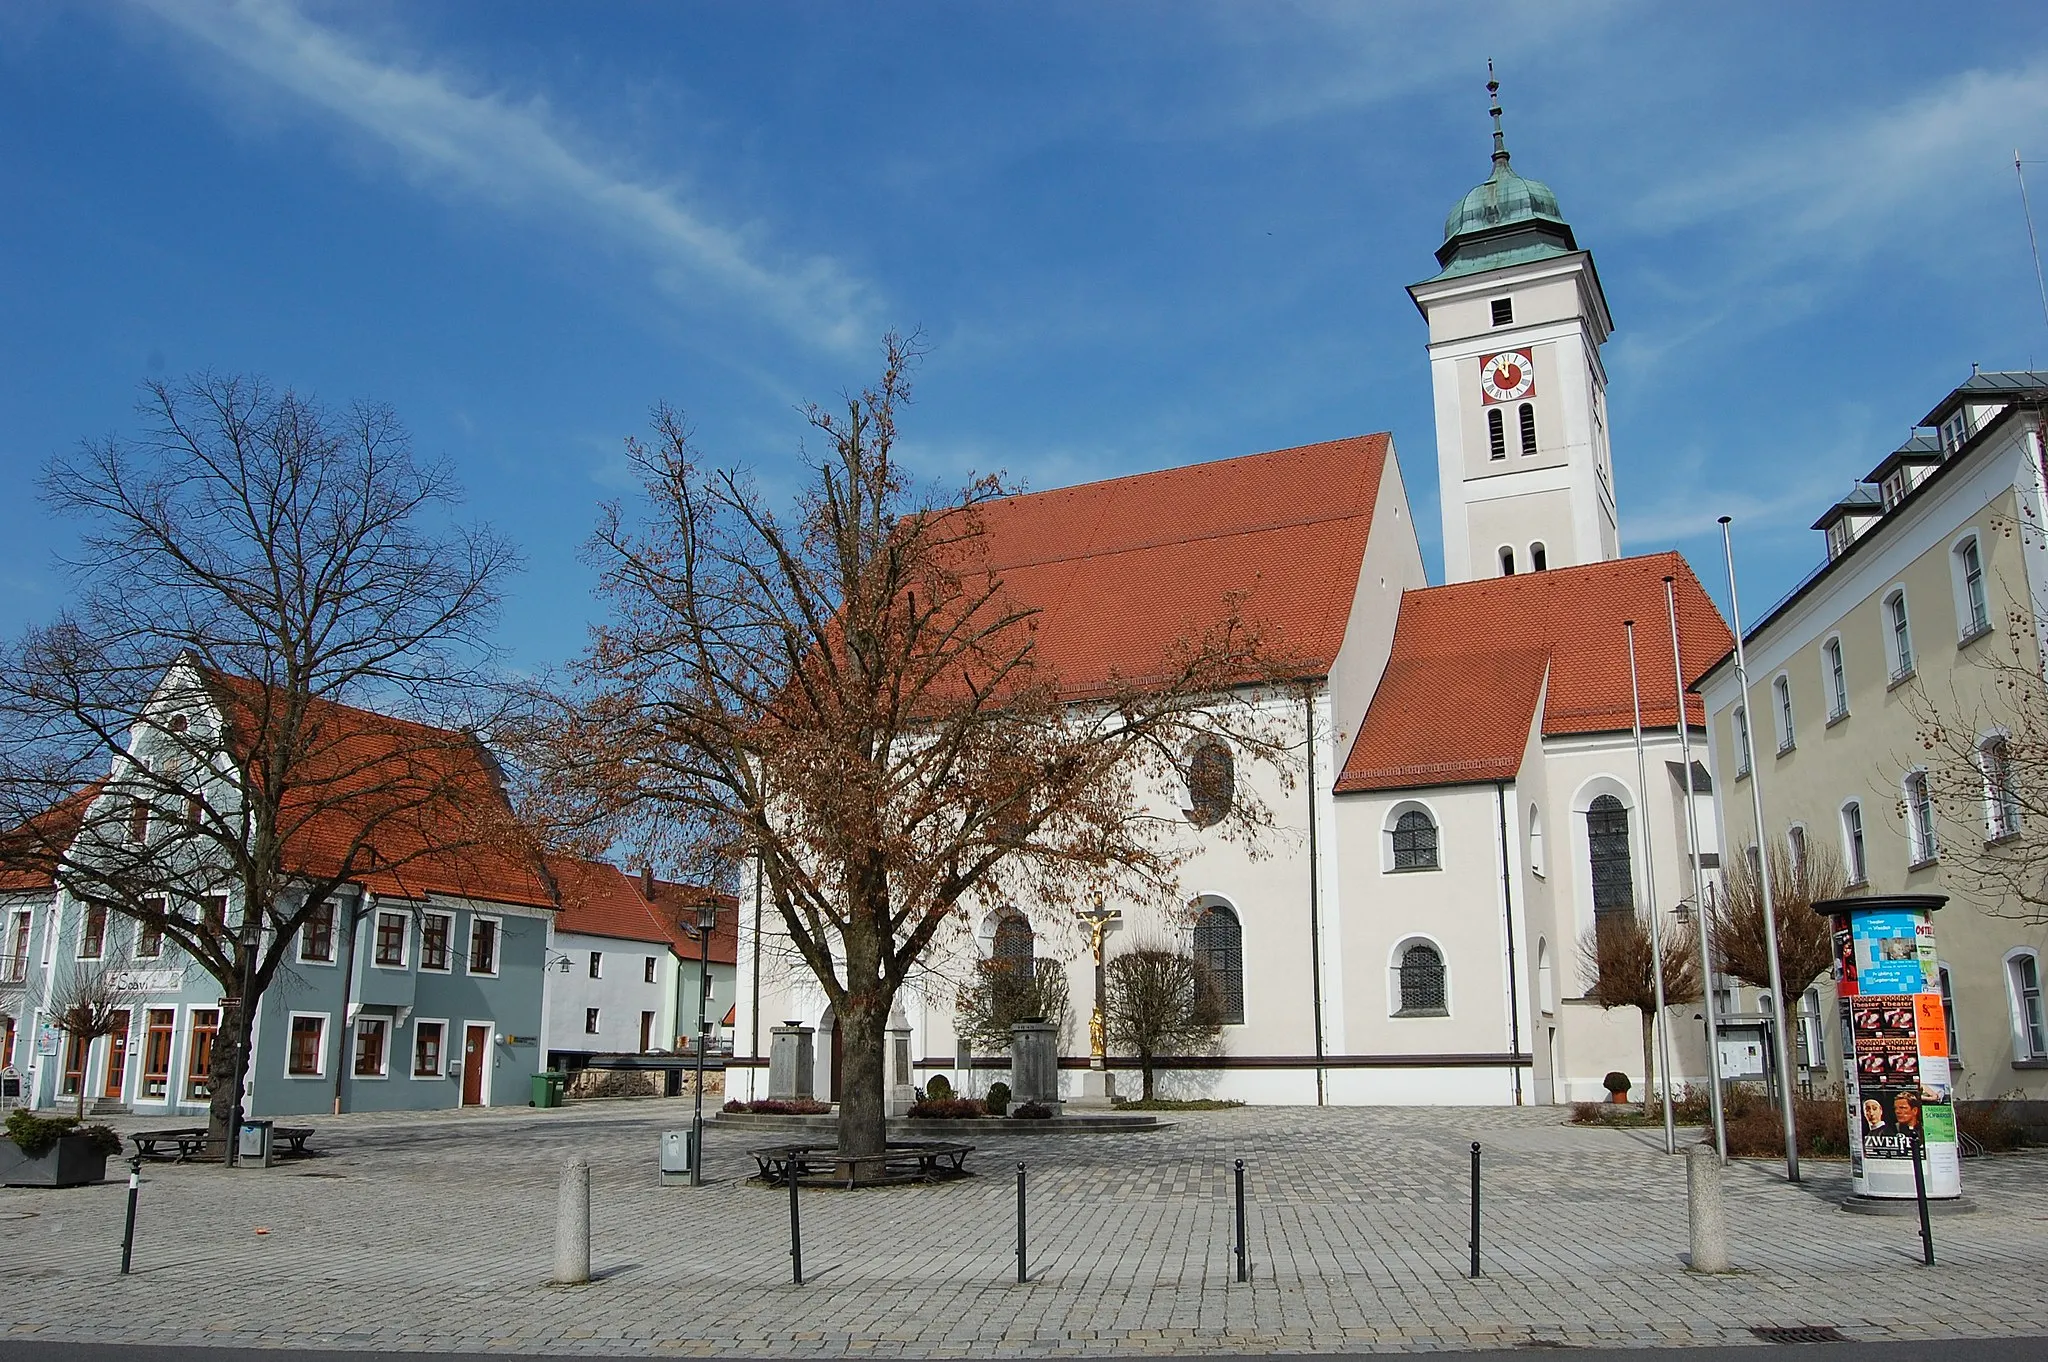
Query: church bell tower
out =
(1516, 320)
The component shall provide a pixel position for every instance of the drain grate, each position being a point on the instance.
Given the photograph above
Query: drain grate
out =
(1799, 1333)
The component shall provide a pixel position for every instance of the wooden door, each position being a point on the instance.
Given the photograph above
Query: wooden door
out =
(117, 1057)
(476, 1052)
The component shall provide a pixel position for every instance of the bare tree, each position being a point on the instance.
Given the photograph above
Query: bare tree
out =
(848, 697)
(251, 569)
(1805, 940)
(1159, 1001)
(91, 999)
(1617, 955)
(1005, 992)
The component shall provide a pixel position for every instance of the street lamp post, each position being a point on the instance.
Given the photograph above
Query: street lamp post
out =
(707, 918)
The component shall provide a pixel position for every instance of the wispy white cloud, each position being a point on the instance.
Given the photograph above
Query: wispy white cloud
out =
(514, 153)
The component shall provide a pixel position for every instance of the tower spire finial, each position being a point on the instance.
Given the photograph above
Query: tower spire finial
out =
(1500, 138)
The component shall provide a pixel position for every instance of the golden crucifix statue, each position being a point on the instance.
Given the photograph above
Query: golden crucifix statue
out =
(1099, 920)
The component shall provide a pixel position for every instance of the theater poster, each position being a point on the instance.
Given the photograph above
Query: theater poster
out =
(1897, 1065)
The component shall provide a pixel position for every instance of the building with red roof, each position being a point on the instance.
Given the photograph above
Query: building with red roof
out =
(1466, 794)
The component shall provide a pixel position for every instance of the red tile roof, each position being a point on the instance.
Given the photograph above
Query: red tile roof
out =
(431, 800)
(602, 900)
(678, 903)
(1469, 663)
(1122, 570)
(29, 853)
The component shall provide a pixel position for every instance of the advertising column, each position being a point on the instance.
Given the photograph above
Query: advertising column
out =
(1895, 1044)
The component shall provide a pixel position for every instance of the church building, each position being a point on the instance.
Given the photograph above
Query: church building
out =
(1469, 793)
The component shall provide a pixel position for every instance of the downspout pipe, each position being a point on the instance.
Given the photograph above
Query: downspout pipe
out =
(1315, 929)
(1507, 907)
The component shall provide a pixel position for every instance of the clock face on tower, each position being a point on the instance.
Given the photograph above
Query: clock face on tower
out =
(1507, 377)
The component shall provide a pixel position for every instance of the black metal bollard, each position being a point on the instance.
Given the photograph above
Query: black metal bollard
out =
(1920, 1196)
(1475, 1208)
(1244, 1272)
(128, 1234)
(1020, 1223)
(796, 1238)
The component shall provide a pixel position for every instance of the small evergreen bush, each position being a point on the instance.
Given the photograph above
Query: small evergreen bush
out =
(998, 1098)
(940, 1089)
(1032, 1111)
(37, 1135)
(1616, 1082)
(948, 1109)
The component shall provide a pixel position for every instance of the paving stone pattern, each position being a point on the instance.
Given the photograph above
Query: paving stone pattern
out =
(434, 1231)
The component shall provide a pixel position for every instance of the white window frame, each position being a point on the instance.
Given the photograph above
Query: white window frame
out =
(1834, 678)
(2002, 814)
(1781, 712)
(404, 938)
(1393, 818)
(1896, 616)
(326, 1020)
(593, 1021)
(1973, 604)
(1948, 1009)
(450, 919)
(1536, 848)
(1795, 849)
(1739, 718)
(385, 1026)
(651, 971)
(2029, 1033)
(497, 949)
(1923, 843)
(333, 939)
(1855, 843)
(1394, 959)
(413, 1050)
(597, 964)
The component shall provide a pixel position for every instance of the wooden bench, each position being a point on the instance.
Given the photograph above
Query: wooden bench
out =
(189, 1139)
(296, 1137)
(909, 1161)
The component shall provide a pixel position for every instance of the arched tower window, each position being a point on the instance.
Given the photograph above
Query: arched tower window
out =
(1496, 433)
(1212, 784)
(1607, 839)
(1539, 557)
(1219, 944)
(1528, 427)
(1014, 945)
(1507, 561)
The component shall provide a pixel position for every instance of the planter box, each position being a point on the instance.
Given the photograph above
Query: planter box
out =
(72, 1163)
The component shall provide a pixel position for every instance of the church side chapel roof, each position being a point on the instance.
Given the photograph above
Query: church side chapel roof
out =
(1122, 570)
(1472, 661)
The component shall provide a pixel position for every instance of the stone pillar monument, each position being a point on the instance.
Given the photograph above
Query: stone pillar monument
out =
(1034, 1064)
(789, 1060)
(902, 1089)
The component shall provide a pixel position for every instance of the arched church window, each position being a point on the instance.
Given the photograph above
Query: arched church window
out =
(1538, 559)
(1507, 562)
(1421, 980)
(1414, 841)
(1496, 433)
(1212, 784)
(1219, 944)
(1014, 944)
(1528, 428)
(1607, 837)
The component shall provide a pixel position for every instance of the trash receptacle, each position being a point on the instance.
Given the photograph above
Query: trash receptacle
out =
(548, 1087)
(678, 1154)
(253, 1150)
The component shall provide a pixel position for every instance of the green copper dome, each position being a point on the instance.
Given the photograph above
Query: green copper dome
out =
(1505, 221)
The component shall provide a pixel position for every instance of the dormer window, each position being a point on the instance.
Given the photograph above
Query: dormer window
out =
(1838, 538)
(1954, 431)
(1895, 488)
(1503, 311)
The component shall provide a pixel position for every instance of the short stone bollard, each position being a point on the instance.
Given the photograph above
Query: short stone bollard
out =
(1704, 1211)
(572, 1226)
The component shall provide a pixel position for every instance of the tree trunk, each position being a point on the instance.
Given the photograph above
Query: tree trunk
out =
(863, 1024)
(1145, 1067)
(221, 1075)
(1649, 1060)
(84, 1072)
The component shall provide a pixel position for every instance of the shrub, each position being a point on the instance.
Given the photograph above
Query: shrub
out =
(735, 1105)
(100, 1139)
(36, 1135)
(1588, 1113)
(781, 1106)
(940, 1088)
(1032, 1111)
(1755, 1132)
(947, 1109)
(1616, 1082)
(998, 1098)
(1991, 1125)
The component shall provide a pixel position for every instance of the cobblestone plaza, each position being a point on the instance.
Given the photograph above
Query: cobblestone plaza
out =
(434, 1231)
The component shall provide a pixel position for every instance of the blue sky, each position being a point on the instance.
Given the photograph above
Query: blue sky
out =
(1134, 235)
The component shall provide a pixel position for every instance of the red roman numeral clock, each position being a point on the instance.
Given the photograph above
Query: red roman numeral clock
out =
(1508, 376)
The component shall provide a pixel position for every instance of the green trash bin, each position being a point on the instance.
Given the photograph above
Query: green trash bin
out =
(548, 1087)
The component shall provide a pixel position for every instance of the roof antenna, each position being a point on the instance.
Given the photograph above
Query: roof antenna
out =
(2025, 208)
(1500, 138)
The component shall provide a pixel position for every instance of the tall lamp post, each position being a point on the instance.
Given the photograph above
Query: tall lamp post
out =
(707, 918)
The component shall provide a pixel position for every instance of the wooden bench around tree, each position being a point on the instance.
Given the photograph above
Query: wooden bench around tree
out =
(908, 1161)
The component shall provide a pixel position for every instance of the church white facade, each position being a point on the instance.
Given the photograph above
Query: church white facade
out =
(1468, 793)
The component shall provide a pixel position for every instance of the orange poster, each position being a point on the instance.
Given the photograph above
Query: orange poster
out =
(1932, 1023)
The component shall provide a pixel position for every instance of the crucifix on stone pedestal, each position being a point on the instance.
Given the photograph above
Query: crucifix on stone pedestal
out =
(1099, 1082)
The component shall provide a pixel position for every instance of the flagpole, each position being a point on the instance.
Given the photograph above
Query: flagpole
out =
(1650, 883)
(1699, 882)
(1756, 799)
